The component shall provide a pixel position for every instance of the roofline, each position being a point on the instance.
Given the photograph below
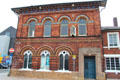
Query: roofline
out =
(102, 3)
(109, 28)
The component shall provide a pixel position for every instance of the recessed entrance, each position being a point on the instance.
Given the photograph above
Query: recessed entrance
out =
(89, 67)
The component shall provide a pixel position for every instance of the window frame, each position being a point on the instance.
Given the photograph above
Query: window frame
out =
(117, 33)
(64, 54)
(46, 25)
(33, 34)
(28, 58)
(45, 55)
(61, 25)
(85, 28)
(109, 56)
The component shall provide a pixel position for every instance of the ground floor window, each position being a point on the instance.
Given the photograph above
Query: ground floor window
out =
(64, 60)
(112, 63)
(27, 59)
(45, 57)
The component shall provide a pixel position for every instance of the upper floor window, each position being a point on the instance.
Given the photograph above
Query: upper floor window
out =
(113, 39)
(47, 28)
(82, 27)
(31, 30)
(27, 59)
(64, 28)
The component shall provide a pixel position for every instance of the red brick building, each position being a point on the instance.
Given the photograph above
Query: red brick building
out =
(111, 50)
(59, 39)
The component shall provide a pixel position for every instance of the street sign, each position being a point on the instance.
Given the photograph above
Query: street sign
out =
(11, 50)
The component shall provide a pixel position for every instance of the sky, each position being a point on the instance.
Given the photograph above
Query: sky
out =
(9, 18)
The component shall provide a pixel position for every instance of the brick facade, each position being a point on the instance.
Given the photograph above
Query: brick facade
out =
(110, 51)
(74, 45)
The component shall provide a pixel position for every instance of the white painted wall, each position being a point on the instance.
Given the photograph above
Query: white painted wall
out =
(4, 44)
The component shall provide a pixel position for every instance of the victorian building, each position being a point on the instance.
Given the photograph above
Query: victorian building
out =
(111, 50)
(59, 41)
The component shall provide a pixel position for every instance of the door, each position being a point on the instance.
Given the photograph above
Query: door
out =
(89, 67)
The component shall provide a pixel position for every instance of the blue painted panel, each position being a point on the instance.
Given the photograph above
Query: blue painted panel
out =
(89, 67)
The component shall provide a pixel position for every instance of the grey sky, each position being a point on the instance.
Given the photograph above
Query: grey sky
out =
(9, 18)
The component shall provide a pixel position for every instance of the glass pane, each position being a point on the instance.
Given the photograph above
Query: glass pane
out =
(47, 61)
(64, 27)
(32, 28)
(107, 63)
(82, 29)
(43, 62)
(30, 61)
(25, 61)
(117, 63)
(47, 29)
(66, 62)
(82, 21)
(112, 64)
(113, 39)
(61, 62)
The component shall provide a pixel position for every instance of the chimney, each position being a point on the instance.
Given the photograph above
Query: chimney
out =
(115, 22)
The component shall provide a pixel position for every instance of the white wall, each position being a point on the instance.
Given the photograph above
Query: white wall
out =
(4, 44)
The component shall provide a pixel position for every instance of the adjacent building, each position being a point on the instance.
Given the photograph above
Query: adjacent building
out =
(111, 50)
(7, 39)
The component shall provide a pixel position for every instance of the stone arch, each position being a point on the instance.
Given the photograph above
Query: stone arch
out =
(64, 17)
(44, 48)
(83, 17)
(47, 18)
(59, 49)
(30, 19)
(27, 48)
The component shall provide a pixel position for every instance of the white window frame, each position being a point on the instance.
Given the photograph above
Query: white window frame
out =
(48, 53)
(78, 29)
(33, 33)
(112, 56)
(61, 25)
(118, 43)
(26, 52)
(66, 52)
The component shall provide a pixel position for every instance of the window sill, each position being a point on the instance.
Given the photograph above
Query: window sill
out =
(43, 70)
(111, 47)
(66, 71)
(25, 69)
(112, 71)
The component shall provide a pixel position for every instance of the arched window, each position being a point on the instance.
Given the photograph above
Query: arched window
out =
(47, 28)
(64, 28)
(27, 59)
(82, 27)
(45, 57)
(64, 60)
(31, 30)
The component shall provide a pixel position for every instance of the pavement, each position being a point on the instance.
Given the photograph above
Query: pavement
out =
(4, 76)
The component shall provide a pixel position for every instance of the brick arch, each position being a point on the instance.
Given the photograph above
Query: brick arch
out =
(59, 49)
(47, 18)
(83, 17)
(27, 48)
(44, 48)
(32, 19)
(64, 17)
